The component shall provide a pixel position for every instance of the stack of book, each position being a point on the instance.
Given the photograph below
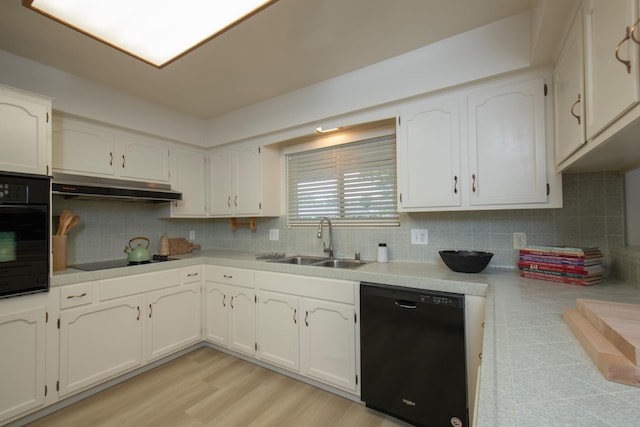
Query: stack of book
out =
(576, 266)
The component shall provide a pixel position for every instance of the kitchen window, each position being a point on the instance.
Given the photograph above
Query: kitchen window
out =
(352, 183)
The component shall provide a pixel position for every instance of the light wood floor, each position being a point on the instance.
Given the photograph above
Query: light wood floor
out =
(210, 388)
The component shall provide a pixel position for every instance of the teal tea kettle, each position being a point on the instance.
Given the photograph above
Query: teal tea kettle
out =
(139, 254)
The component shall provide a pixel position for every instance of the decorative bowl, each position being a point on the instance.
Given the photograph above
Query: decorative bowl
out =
(466, 261)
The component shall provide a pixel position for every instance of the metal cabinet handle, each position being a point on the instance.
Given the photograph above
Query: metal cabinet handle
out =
(191, 274)
(455, 185)
(110, 158)
(235, 201)
(224, 299)
(626, 62)
(84, 294)
(231, 302)
(227, 276)
(138, 318)
(295, 311)
(229, 201)
(473, 183)
(633, 30)
(123, 161)
(306, 317)
(573, 106)
(150, 310)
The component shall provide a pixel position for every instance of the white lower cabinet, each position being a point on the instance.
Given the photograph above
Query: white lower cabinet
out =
(23, 355)
(173, 320)
(112, 326)
(277, 334)
(308, 325)
(327, 342)
(229, 304)
(100, 341)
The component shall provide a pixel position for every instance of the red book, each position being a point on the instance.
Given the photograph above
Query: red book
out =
(561, 279)
(563, 268)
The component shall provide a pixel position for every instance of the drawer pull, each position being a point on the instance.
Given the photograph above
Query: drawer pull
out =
(150, 310)
(295, 312)
(84, 294)
(138, 318)
(192, 274)
(227, 276)
(231, 303)
(306, 318)
(224, 299)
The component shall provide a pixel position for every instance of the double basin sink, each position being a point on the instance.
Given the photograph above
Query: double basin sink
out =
(320, 261)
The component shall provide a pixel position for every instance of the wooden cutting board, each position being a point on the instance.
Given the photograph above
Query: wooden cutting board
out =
(181, 245)
(619, 323)
(613, 365)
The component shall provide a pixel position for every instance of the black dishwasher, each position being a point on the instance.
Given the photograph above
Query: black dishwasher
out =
(413, 357)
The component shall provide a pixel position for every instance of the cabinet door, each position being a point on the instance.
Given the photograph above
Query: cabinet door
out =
(79, 148)
(99, 342)
(327, 342)
(220, 166)
(507, 157)
(246, 181)
(611, 88)
(25, 134)
(242, 320)
(22, 352)
(143, 159)
(216, 299)
(277, 329)
(568, 83)
(173, 320)
(189, 177)
(428, 150)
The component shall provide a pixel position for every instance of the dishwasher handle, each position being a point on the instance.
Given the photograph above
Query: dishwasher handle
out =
(403, 303)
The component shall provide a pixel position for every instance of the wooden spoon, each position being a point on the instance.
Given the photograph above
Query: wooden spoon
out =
(63, 217)
(74, 221)
(65, 225)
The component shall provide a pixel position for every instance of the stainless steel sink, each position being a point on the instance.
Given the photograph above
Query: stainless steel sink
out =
(299, 260)
(320, 261)
(340, 263)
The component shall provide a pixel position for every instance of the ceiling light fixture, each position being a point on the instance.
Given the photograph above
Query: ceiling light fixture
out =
(320, 131)
(155, 31)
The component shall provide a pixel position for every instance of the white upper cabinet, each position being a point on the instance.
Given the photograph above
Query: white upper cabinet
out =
(25, 132)
(485, 147)
(611, 61)
(188, 176)
(507, 144)
(83, 147)
(428, 153)
(569, 99)
(244, 181)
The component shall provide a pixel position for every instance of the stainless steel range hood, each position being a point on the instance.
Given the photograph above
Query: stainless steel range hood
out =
(86, 187)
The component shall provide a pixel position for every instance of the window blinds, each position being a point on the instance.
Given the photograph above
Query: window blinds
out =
(352, 184)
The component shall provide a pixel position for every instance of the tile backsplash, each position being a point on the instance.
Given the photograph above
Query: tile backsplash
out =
(593, 215)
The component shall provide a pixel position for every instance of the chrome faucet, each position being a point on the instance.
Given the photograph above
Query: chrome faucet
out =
(324, 248)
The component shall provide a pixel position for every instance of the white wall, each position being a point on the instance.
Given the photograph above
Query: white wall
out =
(632, 196)
(85, 98)
(497, 48)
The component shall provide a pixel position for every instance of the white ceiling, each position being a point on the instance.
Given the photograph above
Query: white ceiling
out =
(291, 44)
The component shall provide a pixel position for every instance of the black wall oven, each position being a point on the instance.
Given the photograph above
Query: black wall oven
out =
(24, 234)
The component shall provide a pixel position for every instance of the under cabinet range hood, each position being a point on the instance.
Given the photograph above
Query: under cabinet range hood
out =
(86, 187)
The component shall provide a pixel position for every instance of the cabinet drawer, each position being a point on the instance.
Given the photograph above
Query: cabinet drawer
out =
(190, 275)
(137, 284)
(76, 295)
(229, 276)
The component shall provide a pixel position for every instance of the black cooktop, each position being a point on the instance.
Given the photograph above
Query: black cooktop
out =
(116, 263)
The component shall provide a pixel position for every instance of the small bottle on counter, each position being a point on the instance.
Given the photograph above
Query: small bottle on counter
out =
(383, 253)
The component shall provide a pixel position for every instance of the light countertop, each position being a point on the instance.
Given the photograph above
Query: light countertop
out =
(534, 371)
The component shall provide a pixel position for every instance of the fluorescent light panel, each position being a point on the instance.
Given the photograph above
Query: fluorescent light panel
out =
(155, 31)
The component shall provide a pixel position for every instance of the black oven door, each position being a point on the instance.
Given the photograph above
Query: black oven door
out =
(24, 237)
